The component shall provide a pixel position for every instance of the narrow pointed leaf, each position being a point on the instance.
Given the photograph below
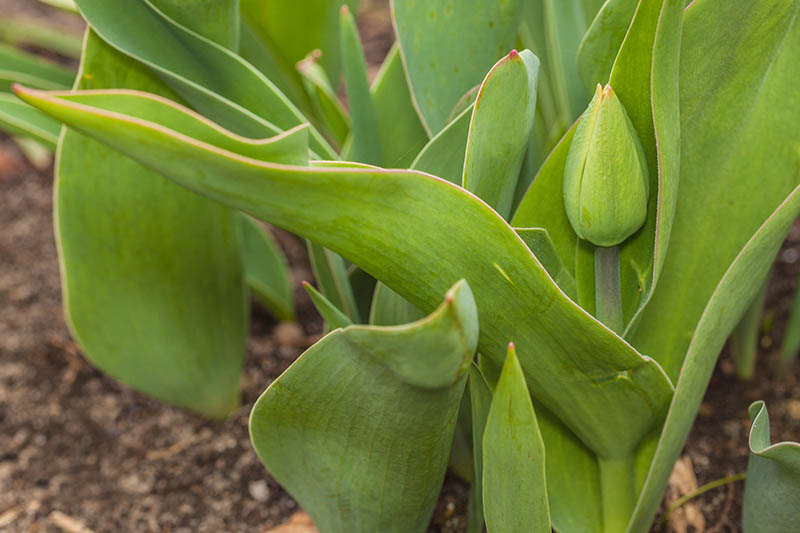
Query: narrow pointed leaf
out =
(772, 490)
(323, 98)
(17, 66)
(514, 485)
(391, 309)
(444, 155)
(401, 132)
(501, 124)
(266, 270)
(517, 297)
(330, 272)
(331, 314)
(363, 119)
(449, 46)
(745, 339)
(18, 118)
(348, 431)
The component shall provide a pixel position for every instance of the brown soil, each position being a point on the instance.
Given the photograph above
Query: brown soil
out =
(74, 444)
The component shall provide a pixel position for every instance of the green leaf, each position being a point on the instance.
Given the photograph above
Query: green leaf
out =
(18, 32)
(449, 46)
(211, 78)
(17, 66)
(739, 156)
(324, 99)
(363, 118)
(602, 42)
(144, 262)
(736, 289)
(772, 490)
(391, 309)
(293, 29)
(18, 118)
(501, 124)
(266, 270)
(357, 211)
(791, 340)
(514, 485)
(443, 156)
(359, 428)
(480, 395)
(401, 133)
(330, 271)
(745, 339)
(331, 314)
(538, 241)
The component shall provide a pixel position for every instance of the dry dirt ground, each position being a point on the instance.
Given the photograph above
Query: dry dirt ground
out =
(79, 450)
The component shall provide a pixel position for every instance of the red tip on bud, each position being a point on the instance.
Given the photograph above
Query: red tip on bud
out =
(511, 346)
(513, 53)
(345, 10)
(305, 284)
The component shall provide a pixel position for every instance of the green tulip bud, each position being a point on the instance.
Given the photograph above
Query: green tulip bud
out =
(606, 183)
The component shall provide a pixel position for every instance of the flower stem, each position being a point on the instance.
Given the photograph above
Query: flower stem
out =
(608, 300)
(618, 492)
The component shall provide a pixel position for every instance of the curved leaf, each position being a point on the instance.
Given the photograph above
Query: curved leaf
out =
(17, 66)
(726, 306)
(18, 118)
(359, 428)
(398, 225)
(602, 41)
(772, 490)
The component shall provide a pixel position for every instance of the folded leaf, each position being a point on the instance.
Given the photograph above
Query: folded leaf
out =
(349, 431)
(501, 124)
(772, 490)
(514, 485)
(359, 211)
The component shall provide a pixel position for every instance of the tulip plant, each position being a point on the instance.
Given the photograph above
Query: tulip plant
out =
(563, 288)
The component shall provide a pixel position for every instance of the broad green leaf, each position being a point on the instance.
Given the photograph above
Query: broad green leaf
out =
(575, 363)
(501, 124)
(216, 20)
(727, 304)
(18, 118)
(443, 156)
(401, 133)
(449, 46)
(293, 29)
(17, 66)
(739, 155)
(330, 271)
(144, 262)
(772, 490)
(538, 241)
(363, 118)
(351, 434)
(745, 338)
(514, 484)
(213, 79)
(602, 41)
(331, 314)
(266, 270)
(323, 98)
(391, 309)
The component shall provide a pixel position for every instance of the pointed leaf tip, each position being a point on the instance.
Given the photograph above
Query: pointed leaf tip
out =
(513, 53)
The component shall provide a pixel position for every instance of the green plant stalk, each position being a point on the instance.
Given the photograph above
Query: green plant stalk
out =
(608, 299)
(746, 336)
(733, 478)
(618, 492)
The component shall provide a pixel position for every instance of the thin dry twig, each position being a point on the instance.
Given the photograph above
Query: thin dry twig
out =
(67, 523)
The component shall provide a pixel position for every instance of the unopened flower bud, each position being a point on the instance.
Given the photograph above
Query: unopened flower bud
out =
(606, 183)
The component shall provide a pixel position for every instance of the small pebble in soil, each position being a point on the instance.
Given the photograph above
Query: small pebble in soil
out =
(259, 490)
